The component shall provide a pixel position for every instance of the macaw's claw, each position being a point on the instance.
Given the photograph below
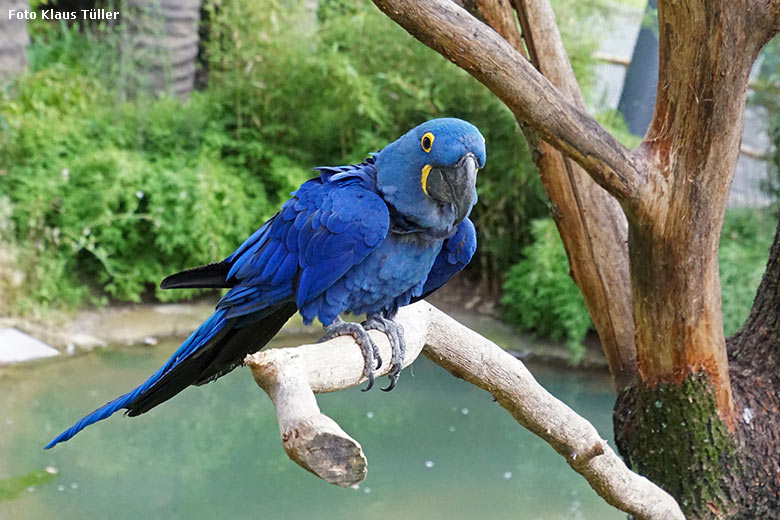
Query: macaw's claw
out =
(395, 333)
(371, 357)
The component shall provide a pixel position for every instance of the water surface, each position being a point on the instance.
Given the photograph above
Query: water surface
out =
(437, 447)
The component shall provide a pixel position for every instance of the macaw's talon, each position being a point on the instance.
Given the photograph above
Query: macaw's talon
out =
(393, 375)
(371, 357)
(395, 333)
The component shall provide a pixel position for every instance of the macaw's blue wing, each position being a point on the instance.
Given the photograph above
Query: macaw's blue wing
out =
(331, 223)
(455, 254)
(327, 228)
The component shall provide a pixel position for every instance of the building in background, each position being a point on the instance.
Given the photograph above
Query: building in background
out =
(626, 80)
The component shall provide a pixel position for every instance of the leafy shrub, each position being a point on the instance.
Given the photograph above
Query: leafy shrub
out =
(539, 295)
(113, 196)
(110, 194)
(744, 249)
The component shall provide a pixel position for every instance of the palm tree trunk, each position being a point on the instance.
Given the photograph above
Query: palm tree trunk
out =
(160, 46)
(13, 39)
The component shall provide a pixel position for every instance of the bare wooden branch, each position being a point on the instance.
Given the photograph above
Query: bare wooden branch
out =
(478, 49)
(612, 59)
(501, 17)
(292, 375)
(591, 223)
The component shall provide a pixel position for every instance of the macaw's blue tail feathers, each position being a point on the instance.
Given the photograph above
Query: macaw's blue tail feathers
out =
(214, 349)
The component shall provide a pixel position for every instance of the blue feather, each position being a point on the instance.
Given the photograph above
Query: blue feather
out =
(328, 250)
(196, 340)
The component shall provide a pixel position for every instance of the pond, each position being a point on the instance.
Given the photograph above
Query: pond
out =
(437, 447)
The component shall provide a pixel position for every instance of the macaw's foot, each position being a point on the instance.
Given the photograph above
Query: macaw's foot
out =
(395, 333)
(372, 360)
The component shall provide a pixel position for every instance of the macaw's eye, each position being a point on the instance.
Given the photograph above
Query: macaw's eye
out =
(427, 142)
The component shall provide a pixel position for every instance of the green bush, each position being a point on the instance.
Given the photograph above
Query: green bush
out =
(541, 298)
(744, 250)
(110, 194)
(109, 197)
(539, 295)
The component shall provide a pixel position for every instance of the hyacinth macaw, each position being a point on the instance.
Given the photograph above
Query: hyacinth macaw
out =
(366, 238)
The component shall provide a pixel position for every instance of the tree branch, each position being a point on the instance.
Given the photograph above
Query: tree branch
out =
(475, 47)
(591, 223)
(291, 376)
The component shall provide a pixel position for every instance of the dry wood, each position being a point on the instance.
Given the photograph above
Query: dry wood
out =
(591, 223)
(673, 189)
(292, 375)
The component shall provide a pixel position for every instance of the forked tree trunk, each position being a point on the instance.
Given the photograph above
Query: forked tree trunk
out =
(679, 425)
(705, 430)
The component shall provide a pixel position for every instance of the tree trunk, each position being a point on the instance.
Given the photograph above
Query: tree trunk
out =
(591, 223)
(704, 430)
(13, 39)
(679, 425)
(735, 473)
(160, 45)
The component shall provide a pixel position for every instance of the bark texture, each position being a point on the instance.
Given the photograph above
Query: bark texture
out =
(689, 417)
(291, 376)
(754, 365)
(736, 475)
(591, 223)
(683, 423)
(706, 52)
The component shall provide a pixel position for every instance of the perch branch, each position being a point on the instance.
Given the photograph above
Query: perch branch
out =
(478, 49)
(291, 376)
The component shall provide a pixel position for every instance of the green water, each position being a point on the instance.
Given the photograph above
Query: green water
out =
(437, 447)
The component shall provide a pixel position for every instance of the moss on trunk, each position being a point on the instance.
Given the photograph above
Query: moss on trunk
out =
(672, 435)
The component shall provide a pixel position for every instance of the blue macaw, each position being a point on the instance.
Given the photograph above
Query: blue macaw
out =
(366, 238)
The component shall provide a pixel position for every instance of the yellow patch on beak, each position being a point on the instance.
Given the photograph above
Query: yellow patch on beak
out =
(424, 179)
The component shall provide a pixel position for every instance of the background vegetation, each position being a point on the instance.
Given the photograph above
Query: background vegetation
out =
(103, 194)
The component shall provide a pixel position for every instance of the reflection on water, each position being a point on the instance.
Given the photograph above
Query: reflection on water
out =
(437, 447)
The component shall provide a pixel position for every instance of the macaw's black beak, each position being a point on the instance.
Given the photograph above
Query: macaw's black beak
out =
(454, 185)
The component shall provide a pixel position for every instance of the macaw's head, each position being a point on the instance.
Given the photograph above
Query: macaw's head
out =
(429, 175)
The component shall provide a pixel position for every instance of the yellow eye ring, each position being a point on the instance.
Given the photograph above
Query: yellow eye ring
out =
(427, 142)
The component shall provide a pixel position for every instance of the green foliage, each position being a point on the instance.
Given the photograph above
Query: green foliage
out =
(539, 295)
(109, 194)
(744, 249)
(109, 197)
